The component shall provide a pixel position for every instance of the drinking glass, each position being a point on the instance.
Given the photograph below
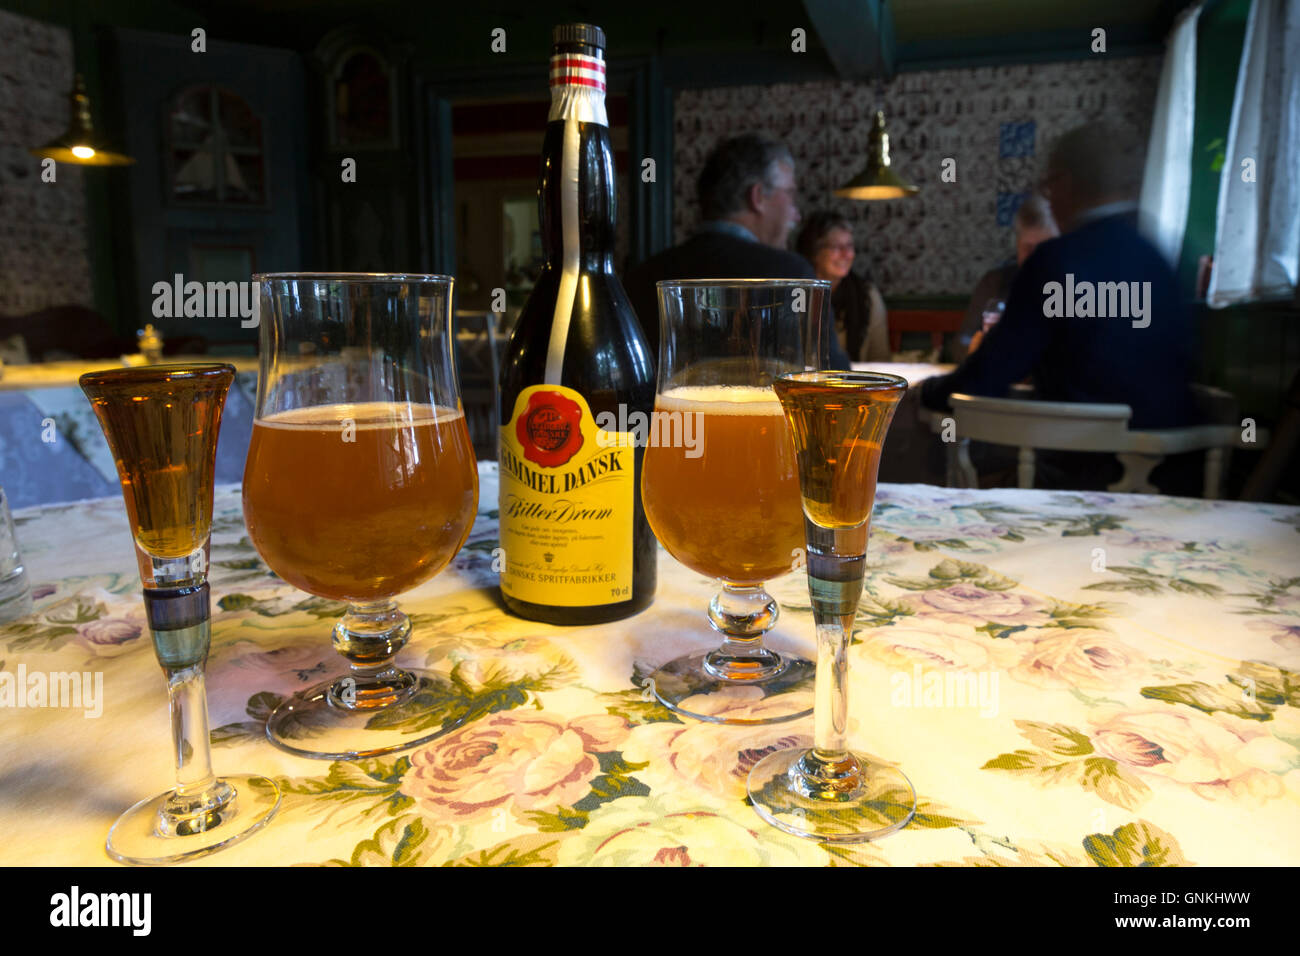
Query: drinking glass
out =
(161, 423)
(360, 484)
(992, 314)
(720, 486)
(829, 793)
(15, 588)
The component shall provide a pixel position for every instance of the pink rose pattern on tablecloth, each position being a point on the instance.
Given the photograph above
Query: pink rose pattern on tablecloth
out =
(1212, 757)
(1078, 657)
(520, 760)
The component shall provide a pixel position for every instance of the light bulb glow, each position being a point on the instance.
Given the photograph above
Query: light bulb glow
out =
(82, 152)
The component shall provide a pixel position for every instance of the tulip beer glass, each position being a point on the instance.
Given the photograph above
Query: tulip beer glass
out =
(360, 484)
(727, 504)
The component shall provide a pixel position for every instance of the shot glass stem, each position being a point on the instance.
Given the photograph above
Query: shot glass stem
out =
(187, 691)
(198, 802)
(180, 622)
(836, 567)
(832, 707)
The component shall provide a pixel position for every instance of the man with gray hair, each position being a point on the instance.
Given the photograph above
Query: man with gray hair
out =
(747, 196)
(1095, 315)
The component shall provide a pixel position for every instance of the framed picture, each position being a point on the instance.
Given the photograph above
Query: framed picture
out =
(214, 152)
(362, 86)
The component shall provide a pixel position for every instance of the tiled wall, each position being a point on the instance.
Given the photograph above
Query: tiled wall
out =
(997, 122)
(44, 260)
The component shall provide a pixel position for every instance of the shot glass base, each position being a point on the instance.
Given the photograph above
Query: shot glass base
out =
(686, 687)
(137, 836)
(317, 723)
(884, 803)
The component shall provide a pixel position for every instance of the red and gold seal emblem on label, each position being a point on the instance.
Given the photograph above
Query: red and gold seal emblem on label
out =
(549, 429)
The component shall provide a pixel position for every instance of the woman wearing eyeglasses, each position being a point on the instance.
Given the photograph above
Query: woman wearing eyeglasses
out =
(826, 241)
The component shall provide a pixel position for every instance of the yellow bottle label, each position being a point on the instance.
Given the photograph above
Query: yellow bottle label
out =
(566, 503)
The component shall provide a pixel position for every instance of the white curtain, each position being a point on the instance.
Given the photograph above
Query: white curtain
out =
(1257, 241)
(1167, 178)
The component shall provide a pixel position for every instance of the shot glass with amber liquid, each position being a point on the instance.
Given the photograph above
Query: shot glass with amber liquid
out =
(161, 423)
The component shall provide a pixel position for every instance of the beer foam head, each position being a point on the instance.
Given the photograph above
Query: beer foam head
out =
(362, 415)
(721, 400)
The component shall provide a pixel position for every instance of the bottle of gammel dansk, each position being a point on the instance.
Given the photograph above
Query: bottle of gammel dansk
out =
(577, 546)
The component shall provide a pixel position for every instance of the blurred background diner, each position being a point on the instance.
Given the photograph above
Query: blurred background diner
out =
(943, 163)
(861, 325)
(746, 193)
(1033, 224)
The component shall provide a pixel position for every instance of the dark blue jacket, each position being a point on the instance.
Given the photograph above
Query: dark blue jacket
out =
(1097, 359)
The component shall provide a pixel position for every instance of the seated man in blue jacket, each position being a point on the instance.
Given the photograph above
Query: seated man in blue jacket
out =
(1094, 315)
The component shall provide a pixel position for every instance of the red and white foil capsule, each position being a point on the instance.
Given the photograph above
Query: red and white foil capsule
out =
(578, 88)
(579, 70)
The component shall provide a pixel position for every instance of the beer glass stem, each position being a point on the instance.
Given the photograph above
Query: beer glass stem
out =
(743, 614)
(836, 575)
(369, 636)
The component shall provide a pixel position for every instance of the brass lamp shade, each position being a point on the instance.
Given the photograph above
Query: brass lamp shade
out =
(877, 180)
(78, 144)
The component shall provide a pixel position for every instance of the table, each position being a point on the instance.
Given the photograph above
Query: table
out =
(1084, 679)
(65, 374)
(914, 372)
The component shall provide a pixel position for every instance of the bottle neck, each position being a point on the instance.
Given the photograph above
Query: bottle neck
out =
(577, 194)
(578, 88)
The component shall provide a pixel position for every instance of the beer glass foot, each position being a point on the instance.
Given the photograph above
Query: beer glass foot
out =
(154, 832)
(862, 799)
(688, 686)
(352, 717)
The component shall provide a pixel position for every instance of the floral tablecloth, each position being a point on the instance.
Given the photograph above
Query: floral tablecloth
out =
(1081, 679)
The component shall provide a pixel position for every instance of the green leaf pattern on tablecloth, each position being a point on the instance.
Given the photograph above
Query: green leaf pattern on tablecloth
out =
(633, 707)
(1134, 844)
(949, 572)
(534, 850)
(1064, 755)
(1142, 581)
(400, 842)
(1209, 699)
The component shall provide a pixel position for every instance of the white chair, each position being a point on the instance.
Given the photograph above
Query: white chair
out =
(1077, 426)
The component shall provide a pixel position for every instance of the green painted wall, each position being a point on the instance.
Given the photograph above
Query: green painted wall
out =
(1219, 36)
(1252, 351)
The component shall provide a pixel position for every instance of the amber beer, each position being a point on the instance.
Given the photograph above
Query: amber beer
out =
(360, 502)
(733, 512)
